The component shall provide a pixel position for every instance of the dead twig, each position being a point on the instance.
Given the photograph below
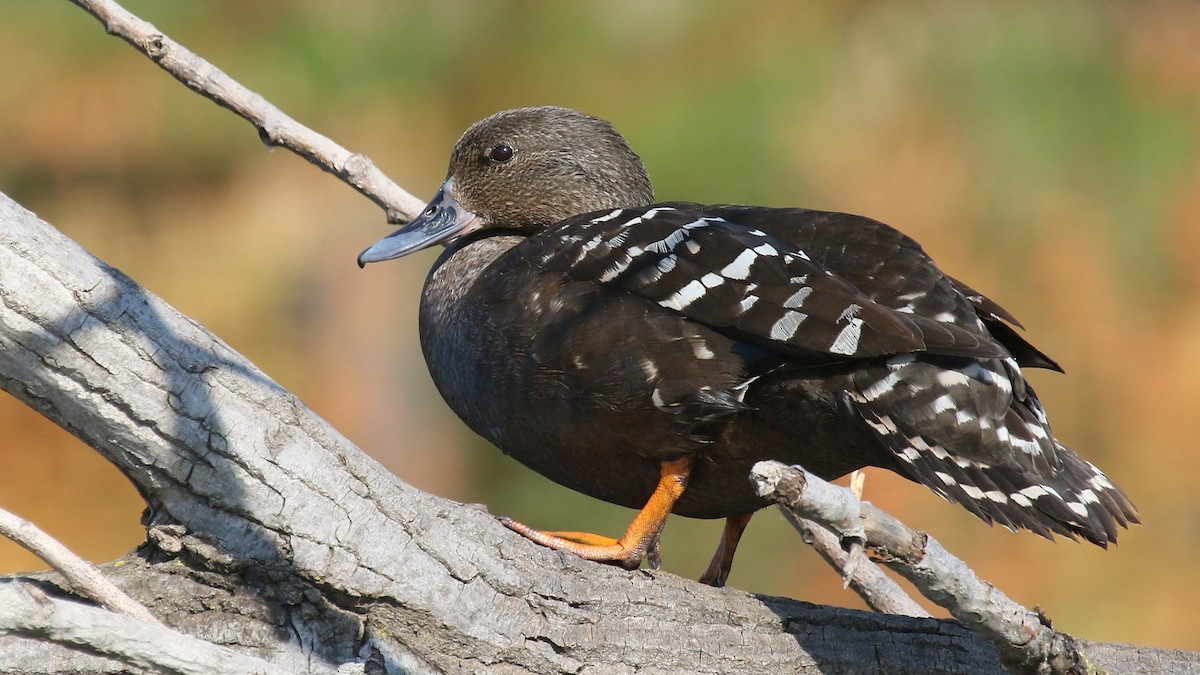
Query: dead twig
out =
(1025, 638)
(871, 583)
(274, 127)
(27, 611)
(81, 575)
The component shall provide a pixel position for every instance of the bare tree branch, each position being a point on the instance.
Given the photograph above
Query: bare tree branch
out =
(274, 127)
(83, 577)
(876, 588)
(28, 612)
(1025, 638)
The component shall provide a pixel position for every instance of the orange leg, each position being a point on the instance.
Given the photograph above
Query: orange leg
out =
(638, 541)
(722, 561)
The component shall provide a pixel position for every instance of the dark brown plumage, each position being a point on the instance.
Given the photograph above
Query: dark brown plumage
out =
(649, 354)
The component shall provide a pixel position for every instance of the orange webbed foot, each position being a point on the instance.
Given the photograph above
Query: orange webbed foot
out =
(640, 541)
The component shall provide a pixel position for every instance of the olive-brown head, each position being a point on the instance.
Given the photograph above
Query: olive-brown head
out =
(524, 170)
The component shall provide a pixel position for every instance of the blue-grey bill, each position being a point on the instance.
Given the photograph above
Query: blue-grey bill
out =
(442, 221)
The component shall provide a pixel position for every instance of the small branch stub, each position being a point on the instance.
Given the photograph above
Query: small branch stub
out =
(837, 509)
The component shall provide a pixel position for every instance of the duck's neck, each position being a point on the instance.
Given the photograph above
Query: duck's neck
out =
(456, 331)
(456, 271)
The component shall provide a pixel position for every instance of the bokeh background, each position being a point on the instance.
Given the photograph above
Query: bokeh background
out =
(1046, 153)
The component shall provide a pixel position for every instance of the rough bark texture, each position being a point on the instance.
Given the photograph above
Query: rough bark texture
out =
(269, 532)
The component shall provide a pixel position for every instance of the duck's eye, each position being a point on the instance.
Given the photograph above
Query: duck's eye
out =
(501, 153)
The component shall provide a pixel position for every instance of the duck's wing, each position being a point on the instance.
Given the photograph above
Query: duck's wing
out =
(889, 267)
(716, 266)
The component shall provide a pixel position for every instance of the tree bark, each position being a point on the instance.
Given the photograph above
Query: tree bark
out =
(271, 533)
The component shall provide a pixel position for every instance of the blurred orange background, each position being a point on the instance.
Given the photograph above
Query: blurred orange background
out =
(1047, 154)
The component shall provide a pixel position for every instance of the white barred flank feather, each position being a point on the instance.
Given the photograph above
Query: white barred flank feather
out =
(1006, 467)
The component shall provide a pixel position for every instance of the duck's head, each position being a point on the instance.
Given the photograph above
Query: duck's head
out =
(524, 170)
